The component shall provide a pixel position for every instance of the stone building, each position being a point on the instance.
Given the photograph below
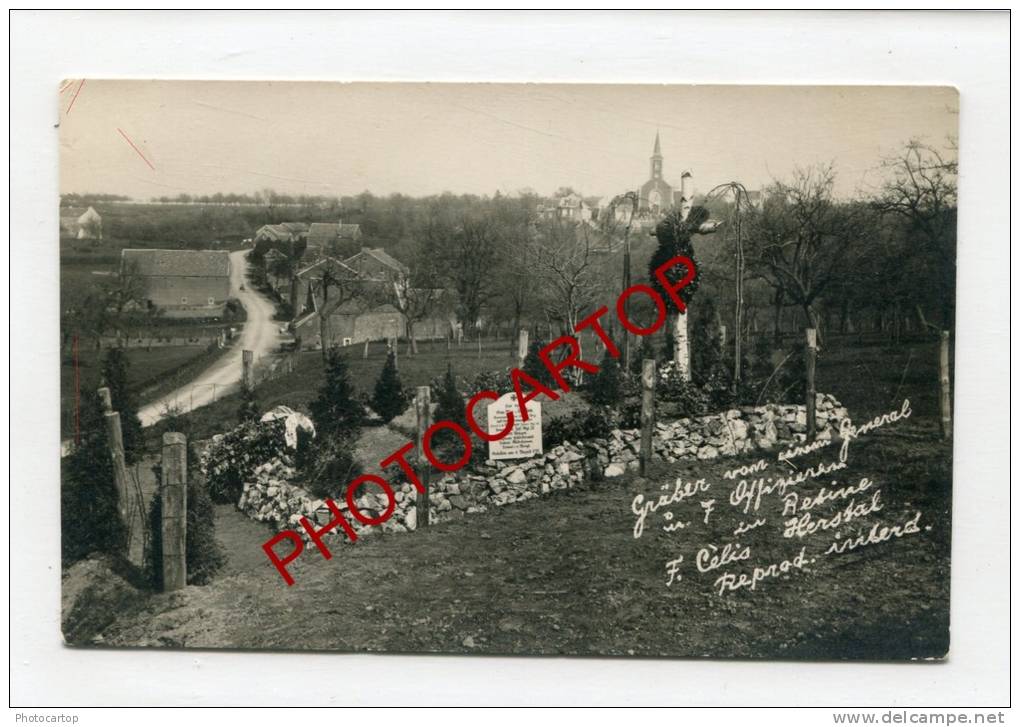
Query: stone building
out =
(181, 283)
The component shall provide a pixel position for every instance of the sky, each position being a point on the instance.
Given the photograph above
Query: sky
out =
(154, 138)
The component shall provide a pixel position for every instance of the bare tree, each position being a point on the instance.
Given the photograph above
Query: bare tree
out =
(334, 285)
(516, 288)
(922, 193)
(800, 239)
(569, 270)
(418, 293)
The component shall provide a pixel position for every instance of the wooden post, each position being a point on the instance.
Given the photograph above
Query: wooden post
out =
(174, 496)
(116, 443)
(945, 396)
(810, 353)
(365, 355)
(522, 347)
(247, 375)
(424, 413)
(647, 412)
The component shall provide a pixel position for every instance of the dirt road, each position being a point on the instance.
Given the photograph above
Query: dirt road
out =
(260, 334)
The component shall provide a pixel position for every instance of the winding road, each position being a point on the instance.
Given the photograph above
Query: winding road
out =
(260, 335)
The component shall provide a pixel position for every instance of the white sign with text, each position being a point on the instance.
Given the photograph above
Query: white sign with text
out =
(525, 439)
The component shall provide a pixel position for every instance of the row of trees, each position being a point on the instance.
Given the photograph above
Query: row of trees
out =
(874, 262)
(871, 262)
(879, 261)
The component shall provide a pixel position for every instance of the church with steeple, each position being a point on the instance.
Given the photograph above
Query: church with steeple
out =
(657, 196)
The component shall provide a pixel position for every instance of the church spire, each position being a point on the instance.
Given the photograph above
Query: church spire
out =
(656, 159)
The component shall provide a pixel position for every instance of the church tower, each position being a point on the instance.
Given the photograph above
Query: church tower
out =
(656, 195)
(656, 159)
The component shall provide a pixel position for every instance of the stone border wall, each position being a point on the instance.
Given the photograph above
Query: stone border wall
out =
(273, 497)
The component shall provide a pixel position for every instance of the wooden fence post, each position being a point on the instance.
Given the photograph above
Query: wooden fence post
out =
(247, 375)
(810, 353)
(647, 412)
(423, 410)
(174, 496)
(945, 396)
(522, 347)
(116, 443)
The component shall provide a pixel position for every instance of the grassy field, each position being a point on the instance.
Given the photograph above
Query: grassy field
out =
(299, 388)
(150, 373)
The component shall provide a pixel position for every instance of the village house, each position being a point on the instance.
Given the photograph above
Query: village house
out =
(282, 232)
(81, 223)
(373, 277)
(309, 282)
(356, 321)
(349, 322)
(374, 263)
(332, 238)
(289, 238)
(181, 283)
(570, 207)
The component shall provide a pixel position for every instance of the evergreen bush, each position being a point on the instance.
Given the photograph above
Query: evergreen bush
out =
(89, 518)
(336, 409)
(450, 407)
(248, 411)
(391, 398)
(594, 423)
(330, 466)
(449, 402)
(607, 386)
(497, 381)
(534, 367)
(646, 350)
(689, 399)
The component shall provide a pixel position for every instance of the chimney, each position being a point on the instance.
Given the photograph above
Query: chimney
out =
(686, 193)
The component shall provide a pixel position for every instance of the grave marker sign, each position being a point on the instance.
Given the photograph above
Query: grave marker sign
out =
(525, 439)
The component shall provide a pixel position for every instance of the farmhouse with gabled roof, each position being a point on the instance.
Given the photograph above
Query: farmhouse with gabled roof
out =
(181, 283)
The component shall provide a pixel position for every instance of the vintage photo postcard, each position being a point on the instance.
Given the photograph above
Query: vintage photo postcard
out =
(619, 370)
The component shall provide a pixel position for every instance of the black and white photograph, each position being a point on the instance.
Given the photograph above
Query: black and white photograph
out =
(510, 358)
(531, 369)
